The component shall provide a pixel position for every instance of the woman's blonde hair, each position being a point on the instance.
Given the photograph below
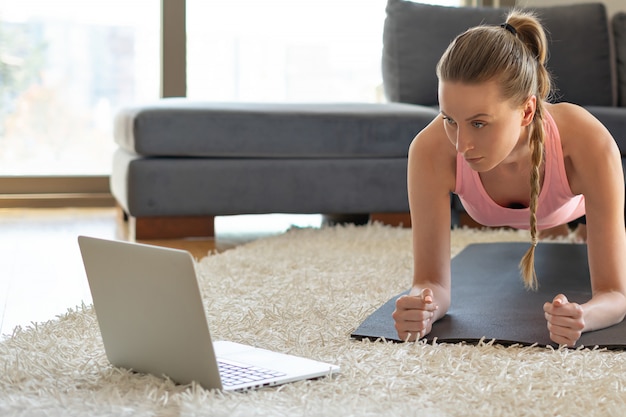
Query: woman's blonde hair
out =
(514, 54)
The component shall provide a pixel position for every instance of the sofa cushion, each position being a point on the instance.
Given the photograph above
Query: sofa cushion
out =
(186, 128)
(416, 35)
(619, 35)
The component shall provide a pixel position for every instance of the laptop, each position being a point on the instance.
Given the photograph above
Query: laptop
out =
(152, 320)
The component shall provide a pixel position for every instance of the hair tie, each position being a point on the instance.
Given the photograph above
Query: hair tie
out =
(534, 242)
(510, 28)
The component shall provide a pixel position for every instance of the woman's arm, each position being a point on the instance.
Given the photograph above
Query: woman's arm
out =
(430, 177)
(594, 169)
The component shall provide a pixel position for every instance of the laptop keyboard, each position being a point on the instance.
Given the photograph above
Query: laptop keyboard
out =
(237, 373)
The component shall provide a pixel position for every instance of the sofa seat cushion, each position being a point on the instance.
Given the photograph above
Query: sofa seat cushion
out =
(186, 128)
(580, 53)
(146, 187)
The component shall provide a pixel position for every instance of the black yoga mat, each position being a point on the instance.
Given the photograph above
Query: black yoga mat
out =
(489, 299)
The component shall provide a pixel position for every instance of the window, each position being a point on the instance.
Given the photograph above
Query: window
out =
(284, 50)
(66, 66)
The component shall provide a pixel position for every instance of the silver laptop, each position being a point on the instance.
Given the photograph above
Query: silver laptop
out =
(152, 320)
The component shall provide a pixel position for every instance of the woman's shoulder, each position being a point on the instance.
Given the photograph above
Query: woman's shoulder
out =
(567, 114)
(584, 140)
(577, 127)
(433, 140)
(571, 118)
(431, 149)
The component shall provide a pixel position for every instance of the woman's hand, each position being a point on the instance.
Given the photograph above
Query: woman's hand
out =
(414, 314)
(565, 320)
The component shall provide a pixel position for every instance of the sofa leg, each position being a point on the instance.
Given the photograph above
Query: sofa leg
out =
(392, 219)
(336, 219)
(146, 228)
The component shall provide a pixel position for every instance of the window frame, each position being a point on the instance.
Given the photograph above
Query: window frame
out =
(56, 191)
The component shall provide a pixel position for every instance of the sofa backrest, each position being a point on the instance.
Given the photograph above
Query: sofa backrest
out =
(580, 53)
(619, 35)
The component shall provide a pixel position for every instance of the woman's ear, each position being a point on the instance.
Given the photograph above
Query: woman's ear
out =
(529, 108)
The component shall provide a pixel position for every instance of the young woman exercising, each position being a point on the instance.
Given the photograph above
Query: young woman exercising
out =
(514, 160)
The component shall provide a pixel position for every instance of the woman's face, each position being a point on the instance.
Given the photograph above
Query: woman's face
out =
(483, 127)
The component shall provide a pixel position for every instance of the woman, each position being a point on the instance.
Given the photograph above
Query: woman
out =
(514, 160)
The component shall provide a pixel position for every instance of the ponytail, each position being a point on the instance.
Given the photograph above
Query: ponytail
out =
(528, 30)
(537, 139)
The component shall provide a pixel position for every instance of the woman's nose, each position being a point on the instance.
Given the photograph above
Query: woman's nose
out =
(462, 142)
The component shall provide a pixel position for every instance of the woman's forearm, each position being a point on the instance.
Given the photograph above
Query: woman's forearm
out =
(603, 310)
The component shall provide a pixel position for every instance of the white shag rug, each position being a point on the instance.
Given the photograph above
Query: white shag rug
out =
(303, 293)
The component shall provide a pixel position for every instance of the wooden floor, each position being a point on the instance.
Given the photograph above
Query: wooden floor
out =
(41, 272)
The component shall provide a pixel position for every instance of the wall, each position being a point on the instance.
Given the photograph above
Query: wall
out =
(612, 6)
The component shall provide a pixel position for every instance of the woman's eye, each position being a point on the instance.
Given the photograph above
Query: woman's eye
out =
(478, 125)
(449, 120)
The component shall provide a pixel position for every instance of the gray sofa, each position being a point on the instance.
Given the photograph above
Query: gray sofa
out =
(180, 163)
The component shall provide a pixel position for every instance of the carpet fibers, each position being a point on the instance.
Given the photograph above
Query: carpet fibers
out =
(303, 293)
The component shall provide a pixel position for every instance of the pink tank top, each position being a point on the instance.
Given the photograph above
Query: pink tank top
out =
(556, 205)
